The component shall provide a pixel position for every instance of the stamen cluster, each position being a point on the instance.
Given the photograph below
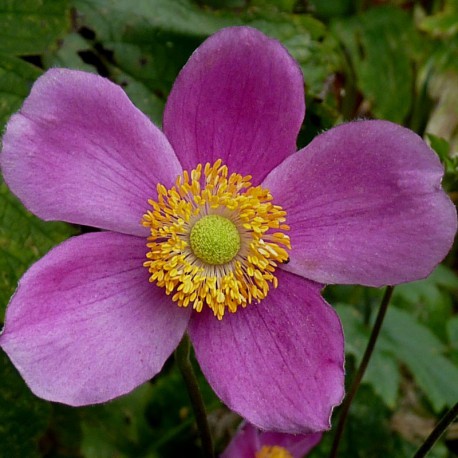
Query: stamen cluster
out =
(273, 451)
(210, 190)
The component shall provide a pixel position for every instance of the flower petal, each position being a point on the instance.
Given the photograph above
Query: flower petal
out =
(79, 151)
(248, 440)
(244, 444)
(240, 98)
(365, 205)
(85, 325)
(297, 444)
(279, 363)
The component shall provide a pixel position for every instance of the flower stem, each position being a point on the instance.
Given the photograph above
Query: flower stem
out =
(189, 376)
(361, 370)
(437, 432)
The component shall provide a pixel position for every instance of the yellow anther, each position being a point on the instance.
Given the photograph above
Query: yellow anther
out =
(223, 271)
(273, 451)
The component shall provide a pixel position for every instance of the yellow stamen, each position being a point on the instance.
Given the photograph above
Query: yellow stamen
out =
(215, 240)
(274, 451)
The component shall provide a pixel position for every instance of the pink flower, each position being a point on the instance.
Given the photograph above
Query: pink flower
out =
(91, 320)
(250, 442)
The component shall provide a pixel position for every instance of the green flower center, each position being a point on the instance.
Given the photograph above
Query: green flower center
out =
(215, 239)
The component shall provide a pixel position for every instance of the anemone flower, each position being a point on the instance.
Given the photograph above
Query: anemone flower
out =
(215, 227)
(250, 442)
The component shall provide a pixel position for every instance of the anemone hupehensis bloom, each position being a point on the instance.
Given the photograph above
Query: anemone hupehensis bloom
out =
(215, 227)
(250, 442)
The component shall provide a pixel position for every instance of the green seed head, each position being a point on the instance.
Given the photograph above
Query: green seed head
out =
(215, 239)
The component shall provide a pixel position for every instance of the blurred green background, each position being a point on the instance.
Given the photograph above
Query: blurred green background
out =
(395, 60)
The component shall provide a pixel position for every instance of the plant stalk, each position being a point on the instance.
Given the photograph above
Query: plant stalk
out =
(437, 432)
(187, 371)
(361, 370)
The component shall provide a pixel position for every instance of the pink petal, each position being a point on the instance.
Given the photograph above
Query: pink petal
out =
(279, 363)
(297, 444)
(79, 151)
(249, 440)
(365, 205)
(86, 326)
(240, 98)
(244, 444)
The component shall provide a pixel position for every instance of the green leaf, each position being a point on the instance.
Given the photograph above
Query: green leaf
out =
(282, 5)
(116, 20)
(23, 239)
(440, 145)
(24, 417)
(150, 44)
(444, 277)
(453, 332)
(140, 49)
(16, 79)
(429, 300)
(444, 23)
(356, 334)
(330, 8)
(382, 372)
(384, 376)
(423, 354)
(67, 55)
(222, 3)
(381, 45)
(402, 339)
(31, 26)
